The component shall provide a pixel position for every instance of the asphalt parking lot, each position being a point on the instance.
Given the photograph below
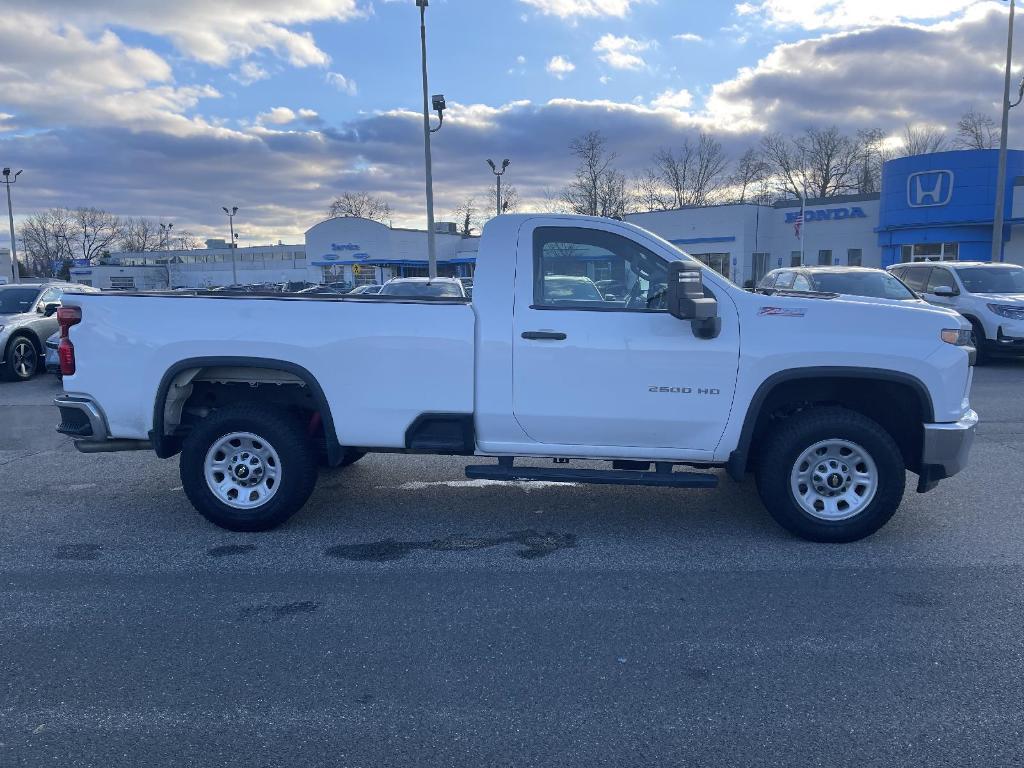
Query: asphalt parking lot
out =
(409, 617)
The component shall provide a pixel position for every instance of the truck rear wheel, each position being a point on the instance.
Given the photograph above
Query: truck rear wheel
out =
(830, 474)
(248, 468)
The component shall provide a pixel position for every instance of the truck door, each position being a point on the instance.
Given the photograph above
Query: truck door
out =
(597, 359)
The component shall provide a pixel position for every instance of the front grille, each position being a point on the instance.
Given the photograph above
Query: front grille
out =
(74, 422)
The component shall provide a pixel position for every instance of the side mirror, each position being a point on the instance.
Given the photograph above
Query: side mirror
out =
(50, 307)
(686, 300)
(944, 291)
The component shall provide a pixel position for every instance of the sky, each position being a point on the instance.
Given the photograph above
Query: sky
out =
(170, 111)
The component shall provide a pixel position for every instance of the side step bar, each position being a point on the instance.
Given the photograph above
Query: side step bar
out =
(664, 476)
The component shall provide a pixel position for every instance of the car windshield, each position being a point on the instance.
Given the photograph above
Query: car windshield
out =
(992, 279)
(875, 285)
(571, 289)
(14, 301)
(422, 289)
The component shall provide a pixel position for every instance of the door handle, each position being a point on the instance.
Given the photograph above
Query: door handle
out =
(551, 335)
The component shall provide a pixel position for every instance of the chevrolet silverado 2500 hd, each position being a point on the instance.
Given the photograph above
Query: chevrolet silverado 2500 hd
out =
(828, 401)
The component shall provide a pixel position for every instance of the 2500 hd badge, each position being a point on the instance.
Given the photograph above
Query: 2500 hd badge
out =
(686, 390)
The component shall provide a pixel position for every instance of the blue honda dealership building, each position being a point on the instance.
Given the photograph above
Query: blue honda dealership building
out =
(931, 207)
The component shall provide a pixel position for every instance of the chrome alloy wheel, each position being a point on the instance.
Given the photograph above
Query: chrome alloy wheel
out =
(834, 479)
(242, 470)
(24, 358)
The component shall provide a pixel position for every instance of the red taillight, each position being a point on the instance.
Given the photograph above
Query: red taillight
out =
(66, 317)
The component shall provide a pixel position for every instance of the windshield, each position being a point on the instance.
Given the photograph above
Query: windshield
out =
(875, 285)
(422, 289)
(992, 279)
(570, 289)
(14, 301)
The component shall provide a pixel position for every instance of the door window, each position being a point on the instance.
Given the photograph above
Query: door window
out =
(916, 277)
(569, 262)
(785, 281)
(801, 283)
(48, 296)
(940, 277)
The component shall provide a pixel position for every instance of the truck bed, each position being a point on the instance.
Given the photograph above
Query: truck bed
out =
(383, 360)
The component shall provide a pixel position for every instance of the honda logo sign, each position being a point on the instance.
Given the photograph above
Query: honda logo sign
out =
(929, 188)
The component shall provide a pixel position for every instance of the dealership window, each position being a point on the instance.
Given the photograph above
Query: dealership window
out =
(568, 259)
(759, 260)
(854, 257)
(824, 258)
(930, 252)
(795, 258)
(717, 261)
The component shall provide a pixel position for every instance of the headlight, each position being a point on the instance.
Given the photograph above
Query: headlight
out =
(1005, 310)
(960, 337)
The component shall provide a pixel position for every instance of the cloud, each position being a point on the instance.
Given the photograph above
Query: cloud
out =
(559, 66)
(217, 32)
(885, 76)
(846, 14)
(669, 99)
(566, 9)
(250, 72)
(622, 52)
(342, 83)
(688, 37)
(277, 116)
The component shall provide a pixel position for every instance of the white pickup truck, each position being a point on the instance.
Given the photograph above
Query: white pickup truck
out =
(667, 371)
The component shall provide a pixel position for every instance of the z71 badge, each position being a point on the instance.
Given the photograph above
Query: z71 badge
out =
(782, 311)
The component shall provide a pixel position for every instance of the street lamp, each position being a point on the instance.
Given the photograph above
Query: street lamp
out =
(231, 223)
(439, 106)
(997, 220)
(10, 217)
(498, 175)
(165, 235)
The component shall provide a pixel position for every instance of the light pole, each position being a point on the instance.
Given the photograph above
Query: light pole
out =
(498, 175)
(10, 218)
(997, 220)
(165, 236)
(439, 105)
(231, 223)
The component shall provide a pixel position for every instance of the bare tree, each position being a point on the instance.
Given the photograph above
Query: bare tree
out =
(94, 232)
(976, 131)
(185, 240)
(468, 217)
(922, 140)
(750, 177)
(597, 187)
(649, 192)
(45, 241)
(819, 162)
(361, 204)
(509, 199)
(141, 234)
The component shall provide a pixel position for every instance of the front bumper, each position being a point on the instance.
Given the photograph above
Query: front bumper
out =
(946, 449)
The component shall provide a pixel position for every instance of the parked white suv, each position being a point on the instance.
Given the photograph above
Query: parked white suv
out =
(990, 295)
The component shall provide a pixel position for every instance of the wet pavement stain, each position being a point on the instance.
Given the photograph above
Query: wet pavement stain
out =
(224, 550)
(77, 552)
(533, 545)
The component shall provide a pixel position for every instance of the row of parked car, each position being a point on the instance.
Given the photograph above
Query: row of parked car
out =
(990, 296)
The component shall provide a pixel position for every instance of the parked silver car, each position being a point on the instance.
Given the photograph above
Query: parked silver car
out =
(28, 316)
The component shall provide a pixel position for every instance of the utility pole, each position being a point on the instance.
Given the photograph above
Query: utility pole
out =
(439, 106)
(10, 218)
(231, 245)
(498, 174)
(997, 220)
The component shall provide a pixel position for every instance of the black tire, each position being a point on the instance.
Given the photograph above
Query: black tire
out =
(21, 355)
(278, 430)
(782, 448)
(979, 342)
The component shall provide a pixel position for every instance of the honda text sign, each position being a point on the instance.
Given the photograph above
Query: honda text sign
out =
(928, 188)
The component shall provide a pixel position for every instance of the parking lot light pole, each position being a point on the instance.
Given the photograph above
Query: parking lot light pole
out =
(10, 218)
(997, 219)
(439, 106)
(231, 245)
(498, 174)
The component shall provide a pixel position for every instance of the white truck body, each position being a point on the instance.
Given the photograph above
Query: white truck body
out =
(623, 383)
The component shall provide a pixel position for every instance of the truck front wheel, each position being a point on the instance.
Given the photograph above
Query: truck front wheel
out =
(830, 474)
(248, 468)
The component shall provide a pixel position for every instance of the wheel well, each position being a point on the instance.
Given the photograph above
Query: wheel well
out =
(897, 406)
(29, 334)
(189, 394)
